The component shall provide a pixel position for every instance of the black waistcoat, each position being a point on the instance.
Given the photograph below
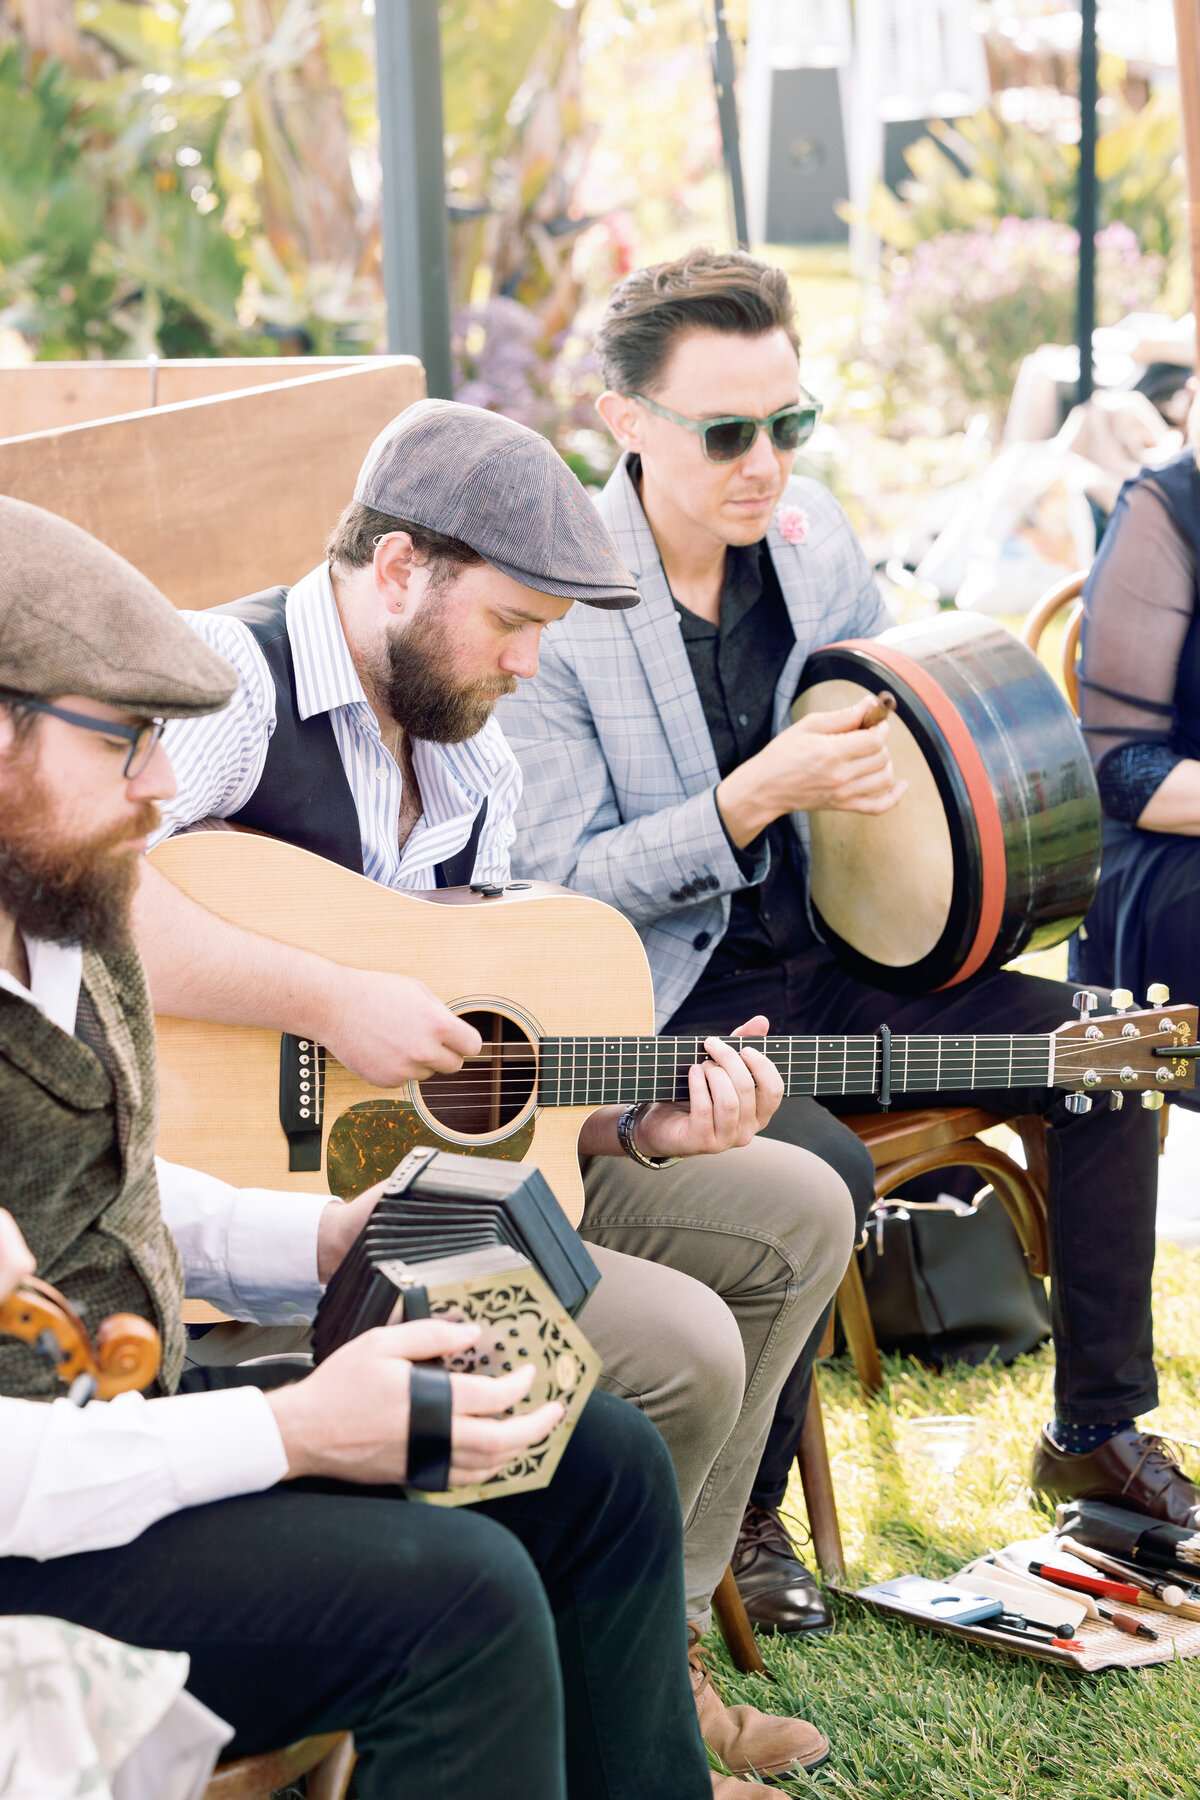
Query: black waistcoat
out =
(303, 795)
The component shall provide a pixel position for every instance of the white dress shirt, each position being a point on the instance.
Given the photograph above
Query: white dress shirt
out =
(87, 1478)
(218, 759)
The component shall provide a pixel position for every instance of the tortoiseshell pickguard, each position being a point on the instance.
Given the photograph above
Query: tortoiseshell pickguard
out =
(368, 1140)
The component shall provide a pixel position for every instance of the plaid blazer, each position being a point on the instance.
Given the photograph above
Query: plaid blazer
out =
(618, 764)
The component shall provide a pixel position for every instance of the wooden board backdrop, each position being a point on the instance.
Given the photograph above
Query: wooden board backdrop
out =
(44, 396)
(219, 497)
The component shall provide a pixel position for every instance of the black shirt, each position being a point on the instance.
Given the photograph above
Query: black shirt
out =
(736, 665)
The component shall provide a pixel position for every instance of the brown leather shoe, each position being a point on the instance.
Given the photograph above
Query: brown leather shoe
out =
(747, 1741)
(778, 1592)
(1134, 1468)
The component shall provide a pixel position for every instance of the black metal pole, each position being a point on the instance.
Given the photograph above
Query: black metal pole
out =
(1086, 197)
(731, 149)
(416, 251)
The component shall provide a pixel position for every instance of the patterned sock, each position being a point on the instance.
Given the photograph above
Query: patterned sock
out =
(1077, 1440)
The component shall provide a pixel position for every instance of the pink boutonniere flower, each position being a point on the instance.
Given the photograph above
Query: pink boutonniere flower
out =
(793, 524)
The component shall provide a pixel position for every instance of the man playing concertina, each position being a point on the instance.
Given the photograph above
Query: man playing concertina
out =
(362, 730)
(530, 1648)
(662, 775)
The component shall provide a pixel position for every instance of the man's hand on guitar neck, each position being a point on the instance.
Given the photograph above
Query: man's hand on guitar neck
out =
(730, 1098)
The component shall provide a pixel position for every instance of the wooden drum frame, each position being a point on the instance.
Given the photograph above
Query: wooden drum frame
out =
(1001, 824)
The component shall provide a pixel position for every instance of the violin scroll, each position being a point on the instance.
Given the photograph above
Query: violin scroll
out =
(128, 1352)
(125, 1356)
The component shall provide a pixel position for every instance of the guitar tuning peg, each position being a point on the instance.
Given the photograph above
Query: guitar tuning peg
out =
(1084, 1002)
(1152, 1100)
(1121, 999)
(1082, 1103)
(1157, 994)
(1116, 1101)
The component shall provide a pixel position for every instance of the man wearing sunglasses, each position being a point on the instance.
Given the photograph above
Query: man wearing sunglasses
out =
(662, 774)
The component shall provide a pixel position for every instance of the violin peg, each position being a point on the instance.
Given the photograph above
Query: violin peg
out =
(1157, 994)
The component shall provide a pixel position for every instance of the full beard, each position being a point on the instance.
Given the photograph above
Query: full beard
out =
(418, 687)
(62, 890)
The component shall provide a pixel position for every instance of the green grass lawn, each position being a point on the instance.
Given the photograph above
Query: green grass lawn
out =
(912, 1714)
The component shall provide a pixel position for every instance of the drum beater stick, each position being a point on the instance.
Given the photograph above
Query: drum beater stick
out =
(885, 703)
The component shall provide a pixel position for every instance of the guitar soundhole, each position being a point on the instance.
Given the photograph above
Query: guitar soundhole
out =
(491, 1089)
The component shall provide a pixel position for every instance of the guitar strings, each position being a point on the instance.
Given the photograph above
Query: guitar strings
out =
(557, 1067)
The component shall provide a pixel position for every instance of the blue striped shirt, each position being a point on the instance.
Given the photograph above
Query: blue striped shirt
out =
(218, 760)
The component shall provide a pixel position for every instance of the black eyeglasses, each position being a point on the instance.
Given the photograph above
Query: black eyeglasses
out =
(731, 436)
(142, 739)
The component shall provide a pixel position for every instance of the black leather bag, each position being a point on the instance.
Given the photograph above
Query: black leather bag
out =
(946, 1280)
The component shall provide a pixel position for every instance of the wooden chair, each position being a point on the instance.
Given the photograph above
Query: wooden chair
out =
(1063, 593)
(327, 1761)
(816, 1478)
(904, 1145)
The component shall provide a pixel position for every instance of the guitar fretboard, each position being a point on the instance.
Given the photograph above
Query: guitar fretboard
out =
(598, 1071)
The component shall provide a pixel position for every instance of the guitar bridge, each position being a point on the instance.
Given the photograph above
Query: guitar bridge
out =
(302, 1100)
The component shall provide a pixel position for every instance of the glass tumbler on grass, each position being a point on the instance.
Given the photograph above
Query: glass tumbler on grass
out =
(944, 1440)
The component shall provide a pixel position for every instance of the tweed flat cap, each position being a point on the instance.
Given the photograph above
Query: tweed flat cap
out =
(76, 618)
(502, 489)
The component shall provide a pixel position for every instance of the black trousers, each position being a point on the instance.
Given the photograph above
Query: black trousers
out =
(527, 1649)
(1103, 1174)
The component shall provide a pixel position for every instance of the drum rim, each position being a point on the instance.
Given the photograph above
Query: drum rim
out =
(870, 665)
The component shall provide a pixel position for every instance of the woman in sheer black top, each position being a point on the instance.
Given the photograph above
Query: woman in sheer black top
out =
(1140, 709)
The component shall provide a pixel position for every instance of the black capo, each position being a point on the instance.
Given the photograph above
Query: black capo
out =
(884, 1095)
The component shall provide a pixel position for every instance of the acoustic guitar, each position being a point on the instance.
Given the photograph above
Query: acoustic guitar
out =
(559, 987)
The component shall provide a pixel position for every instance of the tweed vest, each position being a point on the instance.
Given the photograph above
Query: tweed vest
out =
(78, 1129)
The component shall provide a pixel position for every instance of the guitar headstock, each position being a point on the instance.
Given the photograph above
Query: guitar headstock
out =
(1150, 1051)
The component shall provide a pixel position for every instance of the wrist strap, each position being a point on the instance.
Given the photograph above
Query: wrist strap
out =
(625, 1129)
(430, 1410)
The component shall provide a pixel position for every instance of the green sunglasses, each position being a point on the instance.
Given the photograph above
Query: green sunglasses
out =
(731, 436)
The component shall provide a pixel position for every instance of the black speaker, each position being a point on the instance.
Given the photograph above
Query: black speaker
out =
(806, 166)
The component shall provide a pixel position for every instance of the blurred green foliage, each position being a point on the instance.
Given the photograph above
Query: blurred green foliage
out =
(198, 195)
(1014, 172)
(101, 252)
(963, 309)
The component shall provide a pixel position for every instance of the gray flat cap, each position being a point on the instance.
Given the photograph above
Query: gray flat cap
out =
(502, 489)
(76, 618)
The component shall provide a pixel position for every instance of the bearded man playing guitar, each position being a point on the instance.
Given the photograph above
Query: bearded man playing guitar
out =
(530, 1648)
(362, 730)
(660, 773)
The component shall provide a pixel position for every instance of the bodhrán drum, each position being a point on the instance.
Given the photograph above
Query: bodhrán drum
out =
(995, 847)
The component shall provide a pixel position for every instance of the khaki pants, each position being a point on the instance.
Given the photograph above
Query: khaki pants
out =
(714, 1274)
